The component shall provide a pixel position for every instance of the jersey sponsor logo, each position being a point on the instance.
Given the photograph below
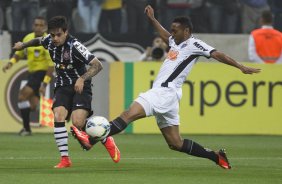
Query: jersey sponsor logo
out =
(199, 46)
(82, 49)
(172, 55)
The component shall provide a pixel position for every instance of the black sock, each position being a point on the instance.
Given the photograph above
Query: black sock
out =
(25, 117)
(117, 125)
(193, 148)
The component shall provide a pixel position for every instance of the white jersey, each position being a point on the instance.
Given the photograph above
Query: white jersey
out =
(179, 62)
(162, 100)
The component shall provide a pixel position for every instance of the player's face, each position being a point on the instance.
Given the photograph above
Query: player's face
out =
(58, 36)
(39, 27)
(178, 33)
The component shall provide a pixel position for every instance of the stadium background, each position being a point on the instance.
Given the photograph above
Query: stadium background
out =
(216, 99)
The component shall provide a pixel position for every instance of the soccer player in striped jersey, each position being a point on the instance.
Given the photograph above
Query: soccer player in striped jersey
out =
(72, 94)
(162, 101)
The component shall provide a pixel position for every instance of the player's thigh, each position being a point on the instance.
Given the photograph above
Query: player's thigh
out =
(135, 112)
(83, 101)
(63, 98)
(25, 93)
(79, 116)
(172, 136)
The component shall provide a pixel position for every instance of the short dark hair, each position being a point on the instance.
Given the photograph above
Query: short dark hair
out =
(185, 22)
(40, 18)
(58, 22)
(266, 16)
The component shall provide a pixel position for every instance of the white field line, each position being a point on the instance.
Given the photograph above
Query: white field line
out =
(138, 158)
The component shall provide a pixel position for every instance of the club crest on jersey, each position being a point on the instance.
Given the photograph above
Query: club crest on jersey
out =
(66, 55)
(172, 55)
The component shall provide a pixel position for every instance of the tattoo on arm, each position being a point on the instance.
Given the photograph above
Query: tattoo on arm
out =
(33, 42)
(94, 68)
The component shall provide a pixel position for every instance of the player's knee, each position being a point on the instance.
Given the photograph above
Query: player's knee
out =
(60, 114)
(22, 98)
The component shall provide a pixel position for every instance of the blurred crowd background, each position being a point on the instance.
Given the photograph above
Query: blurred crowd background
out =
(127, 16)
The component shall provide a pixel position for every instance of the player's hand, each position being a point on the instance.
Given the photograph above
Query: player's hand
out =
(149, 12)
(79, 84)
(249, 70)
(18, 46)
(7, 67)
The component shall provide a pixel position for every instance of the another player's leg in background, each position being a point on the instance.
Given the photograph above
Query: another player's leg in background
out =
(24, 106)
(175, 142)
(61, 136)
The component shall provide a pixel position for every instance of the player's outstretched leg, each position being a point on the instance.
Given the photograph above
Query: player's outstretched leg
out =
(64, 163)
(192, 148)
(222, 159)
(112, 148)
(81, 137)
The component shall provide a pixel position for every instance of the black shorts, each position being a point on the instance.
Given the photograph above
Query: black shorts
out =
(67, 97)
(34, 80)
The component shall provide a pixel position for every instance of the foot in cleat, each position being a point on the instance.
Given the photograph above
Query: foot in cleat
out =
(112, 149)
(64, 163)
(82, 138)
(222, 159)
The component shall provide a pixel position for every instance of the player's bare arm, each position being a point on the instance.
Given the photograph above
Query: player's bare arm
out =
(229, 61)
(22, 45)
(164, 34)
(95, 67)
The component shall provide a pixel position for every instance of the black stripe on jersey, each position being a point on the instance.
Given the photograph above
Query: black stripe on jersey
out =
(179, 69)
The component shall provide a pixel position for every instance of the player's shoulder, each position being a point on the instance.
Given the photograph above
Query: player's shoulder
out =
(198, 43)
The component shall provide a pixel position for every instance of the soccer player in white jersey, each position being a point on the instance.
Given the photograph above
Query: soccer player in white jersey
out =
(162, 101)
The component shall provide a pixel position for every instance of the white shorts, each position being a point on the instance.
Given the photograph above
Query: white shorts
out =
(162, 103)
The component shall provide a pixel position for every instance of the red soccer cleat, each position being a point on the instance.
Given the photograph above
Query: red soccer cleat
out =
(222, 159)
(64, 163)
(82, 138)
(112, 149)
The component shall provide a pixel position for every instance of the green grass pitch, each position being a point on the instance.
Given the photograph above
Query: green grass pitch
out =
(145, 159)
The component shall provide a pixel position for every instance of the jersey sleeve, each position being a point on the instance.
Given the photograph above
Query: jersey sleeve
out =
(45, 41)
(82, 53)
(202, 49)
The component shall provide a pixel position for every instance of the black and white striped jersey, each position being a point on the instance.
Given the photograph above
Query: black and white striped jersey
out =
(70, 59)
